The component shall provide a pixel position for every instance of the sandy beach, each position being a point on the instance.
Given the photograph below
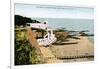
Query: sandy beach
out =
(74, 50)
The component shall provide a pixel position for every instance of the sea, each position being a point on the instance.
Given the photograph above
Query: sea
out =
(71, 24)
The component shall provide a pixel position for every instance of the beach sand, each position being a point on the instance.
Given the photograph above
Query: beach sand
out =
(74, 50)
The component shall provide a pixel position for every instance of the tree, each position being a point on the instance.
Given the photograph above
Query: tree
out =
(20, 20)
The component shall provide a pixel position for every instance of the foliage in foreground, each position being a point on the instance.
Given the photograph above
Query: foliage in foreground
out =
(24, 53)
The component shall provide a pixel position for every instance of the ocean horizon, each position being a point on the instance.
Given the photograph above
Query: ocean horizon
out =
(70, 24)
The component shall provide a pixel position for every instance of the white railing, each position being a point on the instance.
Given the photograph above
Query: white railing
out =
(48, 39)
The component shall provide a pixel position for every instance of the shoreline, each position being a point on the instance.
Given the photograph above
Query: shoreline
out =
(83, 48)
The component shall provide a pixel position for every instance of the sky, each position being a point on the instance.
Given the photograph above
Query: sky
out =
(47, 11)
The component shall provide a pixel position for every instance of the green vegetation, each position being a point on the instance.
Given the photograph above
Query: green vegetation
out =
(24, 53)
(21, 21)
